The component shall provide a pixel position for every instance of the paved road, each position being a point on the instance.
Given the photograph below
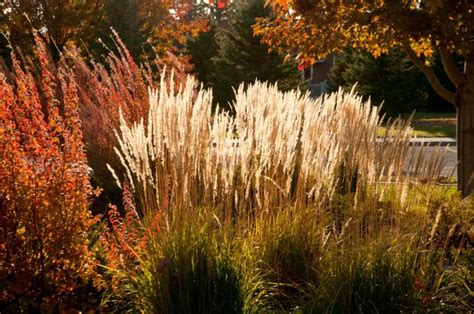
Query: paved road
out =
(450, 159)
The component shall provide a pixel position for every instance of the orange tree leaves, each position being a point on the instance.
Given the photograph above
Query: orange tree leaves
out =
(44, 184)
(164, 22)
(314, 29)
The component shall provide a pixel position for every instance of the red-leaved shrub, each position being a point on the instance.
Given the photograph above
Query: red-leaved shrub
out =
(119, 83)
(124, 242)
(44, 185)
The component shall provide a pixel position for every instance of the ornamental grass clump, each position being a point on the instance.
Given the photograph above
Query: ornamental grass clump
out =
(279, 255)
(285, 179)
(394, 271)
(44, 188)
(374, 277)
(297, 261)
(183, 268)
(280, 150)
(189, 269)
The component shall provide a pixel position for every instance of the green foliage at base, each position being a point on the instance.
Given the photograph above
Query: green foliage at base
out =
(392, 259)
(184, 270)
(190, 273)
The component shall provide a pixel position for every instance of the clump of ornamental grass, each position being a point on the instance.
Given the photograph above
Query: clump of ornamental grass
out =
(409, 262)
(184, 267)
(372, 277)
(280, 150)
(279, 256)
(413, 259)
(390, 273)
(189, 270)
(288, 178)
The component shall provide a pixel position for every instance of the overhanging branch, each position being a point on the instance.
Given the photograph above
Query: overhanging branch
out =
(454, 74)
(429, 73)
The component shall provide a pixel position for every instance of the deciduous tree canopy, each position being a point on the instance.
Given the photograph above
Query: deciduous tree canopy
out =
(159, 24)
(61, 20)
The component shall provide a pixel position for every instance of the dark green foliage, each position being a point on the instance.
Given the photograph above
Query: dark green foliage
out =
(125, 18)
(240, 57)
(391, 79)
(363, 285)
(135, 30)
(189, 272)
(282, 252)
(4, 51)
(203, 49)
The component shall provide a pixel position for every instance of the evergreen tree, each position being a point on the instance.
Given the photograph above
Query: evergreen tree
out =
(243, 58)
(125, 18)
(202, 49)
(391, 79)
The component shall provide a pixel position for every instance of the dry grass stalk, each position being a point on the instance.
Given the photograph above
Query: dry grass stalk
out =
(280, 150)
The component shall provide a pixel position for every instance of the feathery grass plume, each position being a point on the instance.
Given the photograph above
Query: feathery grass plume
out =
(280, 150)
(290, 178)
(170, 144)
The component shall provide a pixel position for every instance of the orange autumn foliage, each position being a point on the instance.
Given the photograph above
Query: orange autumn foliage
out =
(314, 29)
(104, 88)
(44, 185)
(124, 241)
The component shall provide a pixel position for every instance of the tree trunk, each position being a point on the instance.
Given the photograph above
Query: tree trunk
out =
(464, 103)
(465, 132)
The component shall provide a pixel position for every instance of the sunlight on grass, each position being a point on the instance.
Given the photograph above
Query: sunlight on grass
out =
(311, 212)
(430, 124)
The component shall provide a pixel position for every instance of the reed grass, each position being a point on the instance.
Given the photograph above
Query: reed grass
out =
(280, 150)
(304, 205)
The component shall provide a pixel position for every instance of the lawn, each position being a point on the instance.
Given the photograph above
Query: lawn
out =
(432, 124)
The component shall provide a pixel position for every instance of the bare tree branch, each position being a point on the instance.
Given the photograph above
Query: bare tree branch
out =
(429, 73)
